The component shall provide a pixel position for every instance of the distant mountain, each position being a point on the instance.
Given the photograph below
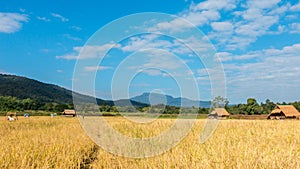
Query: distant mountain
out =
(156, 98)
(22, 88)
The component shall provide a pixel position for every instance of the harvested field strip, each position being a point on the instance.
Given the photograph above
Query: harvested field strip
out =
(44, 142)
(60, 142)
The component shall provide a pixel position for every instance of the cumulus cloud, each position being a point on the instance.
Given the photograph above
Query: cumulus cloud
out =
(262, 4)
(265, 71)
(155, 60)
(12, 22)
(295, 28)
(223, 56)
(214, 5)
(222, 26)
(295, 7)
(239, 28)
(198, 14)
(186, 46)
(88, 52)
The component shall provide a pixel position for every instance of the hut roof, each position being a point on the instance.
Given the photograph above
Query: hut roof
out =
(287, 110)
(69, 112)
(11, 114)
(220, 112)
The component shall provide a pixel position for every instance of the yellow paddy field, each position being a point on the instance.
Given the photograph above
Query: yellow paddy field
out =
(60, 142)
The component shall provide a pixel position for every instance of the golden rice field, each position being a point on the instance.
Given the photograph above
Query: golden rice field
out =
(60, 142)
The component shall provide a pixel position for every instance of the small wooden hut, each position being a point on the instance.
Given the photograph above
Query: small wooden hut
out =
(12, 115)
(283, 112)
(219, 113)
(68, 112)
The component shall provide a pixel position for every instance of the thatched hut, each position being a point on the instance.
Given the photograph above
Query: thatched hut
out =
(219, 113)
(283, 112)
(11, 115)
(68, 112)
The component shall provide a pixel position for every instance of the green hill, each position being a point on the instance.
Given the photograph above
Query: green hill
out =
(23, 88)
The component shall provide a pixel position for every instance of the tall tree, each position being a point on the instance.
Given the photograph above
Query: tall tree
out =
(219, 102)
(252, 106)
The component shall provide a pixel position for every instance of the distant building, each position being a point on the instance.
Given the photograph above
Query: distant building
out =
(68, 112)
(219, 113)
(11, 116)
(283, 112)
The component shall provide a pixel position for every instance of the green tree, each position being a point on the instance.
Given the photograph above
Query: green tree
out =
(252, 107)
(220, 101)
(267, 107)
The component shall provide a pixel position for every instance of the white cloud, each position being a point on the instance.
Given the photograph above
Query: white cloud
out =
(214, 5)
(72, 37)
(223, 56)
(176, 25)
(265, 71)
(136, 43)
(251, 14)
(151, 72)
(243, 26)
(63, 19)
(88, 52)
(261, 55)
(222, 26)
(256, 22)
(262, 4)
(234, 24)
(286, 51)
(43, 19)
(256, 28)
(22, 10)
(280, 10)
(167, 62)
(295, 28)
(68, 57)
(77, 28)
(11, 22)
(200, 18)
(198, 45)
(291, 17)
(95, 68)
(172, 46)
(198, 14)
(295, 7)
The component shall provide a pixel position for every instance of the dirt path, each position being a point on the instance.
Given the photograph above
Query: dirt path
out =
(87, 162)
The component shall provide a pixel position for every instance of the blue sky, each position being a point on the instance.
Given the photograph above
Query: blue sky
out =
(257, 42)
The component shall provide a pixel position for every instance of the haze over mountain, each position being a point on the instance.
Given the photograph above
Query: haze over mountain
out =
(156, 98)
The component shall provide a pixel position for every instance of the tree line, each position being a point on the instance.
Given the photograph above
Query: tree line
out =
(9, 103)
(252, 107)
